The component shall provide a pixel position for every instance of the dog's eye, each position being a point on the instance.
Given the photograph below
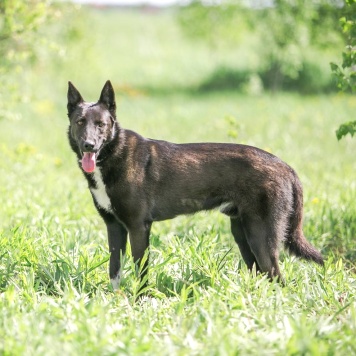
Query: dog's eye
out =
(80, 122)
(101, 124)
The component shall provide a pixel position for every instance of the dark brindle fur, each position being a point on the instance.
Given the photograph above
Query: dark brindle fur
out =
(135, 181)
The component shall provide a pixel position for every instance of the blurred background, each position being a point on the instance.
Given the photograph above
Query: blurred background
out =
(165, 47)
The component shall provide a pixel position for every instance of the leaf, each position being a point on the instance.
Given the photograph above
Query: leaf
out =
(346, 128)
(334, 67)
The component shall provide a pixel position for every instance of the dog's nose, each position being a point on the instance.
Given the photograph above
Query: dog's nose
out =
(88, 146)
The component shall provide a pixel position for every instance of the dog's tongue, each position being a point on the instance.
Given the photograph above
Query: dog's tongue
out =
(88, 162)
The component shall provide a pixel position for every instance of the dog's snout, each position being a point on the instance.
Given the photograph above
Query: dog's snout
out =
(88, 146)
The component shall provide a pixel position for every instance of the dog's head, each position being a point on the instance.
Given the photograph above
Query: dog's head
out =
(92, 125)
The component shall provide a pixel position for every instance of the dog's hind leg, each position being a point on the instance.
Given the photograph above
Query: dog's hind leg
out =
(263, 241)
(240, 238)
(117, 238)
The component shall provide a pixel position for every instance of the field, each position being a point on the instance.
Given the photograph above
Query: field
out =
(55, 296)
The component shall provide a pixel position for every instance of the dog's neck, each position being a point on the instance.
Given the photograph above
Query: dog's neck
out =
(115, 145)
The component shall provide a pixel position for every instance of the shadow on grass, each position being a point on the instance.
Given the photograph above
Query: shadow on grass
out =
(227, 79)
(223, 79)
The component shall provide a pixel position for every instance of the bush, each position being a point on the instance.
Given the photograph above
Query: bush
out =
(224, 78)
(346, 74)
(282, 36)
(310, 78)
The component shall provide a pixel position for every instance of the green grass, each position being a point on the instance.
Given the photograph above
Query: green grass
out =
(55, 296)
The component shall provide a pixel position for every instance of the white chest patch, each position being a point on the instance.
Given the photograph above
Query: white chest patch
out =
(99, 192)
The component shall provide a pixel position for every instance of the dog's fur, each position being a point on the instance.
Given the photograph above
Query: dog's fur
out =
(135, 181)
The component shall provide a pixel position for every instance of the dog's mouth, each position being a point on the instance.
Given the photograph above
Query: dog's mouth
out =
(89, 161)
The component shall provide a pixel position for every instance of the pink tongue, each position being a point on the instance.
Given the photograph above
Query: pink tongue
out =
(88, 162)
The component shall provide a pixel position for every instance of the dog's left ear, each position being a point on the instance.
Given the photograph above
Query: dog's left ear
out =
(74, 98)
(107, 97)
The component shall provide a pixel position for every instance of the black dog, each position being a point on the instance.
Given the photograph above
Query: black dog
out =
(135, 181)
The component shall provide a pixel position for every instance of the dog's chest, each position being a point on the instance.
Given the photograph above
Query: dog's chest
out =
(99, 192)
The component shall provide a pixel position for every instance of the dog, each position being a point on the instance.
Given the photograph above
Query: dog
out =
(135, 181)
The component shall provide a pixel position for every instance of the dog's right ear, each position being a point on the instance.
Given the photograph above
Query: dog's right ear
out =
(74, 98)
(107, 97)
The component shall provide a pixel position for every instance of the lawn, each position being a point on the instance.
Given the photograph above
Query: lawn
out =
(55, 296)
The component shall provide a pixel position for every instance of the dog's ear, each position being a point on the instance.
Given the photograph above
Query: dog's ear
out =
(107, 97)
(74, 98)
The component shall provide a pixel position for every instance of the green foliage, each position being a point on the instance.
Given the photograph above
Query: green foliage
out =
(346, 74)
(19, 22)
(346, 128)
(283, 35)
(214, 23)
(23, 42)
(287, 30)
(224, 78)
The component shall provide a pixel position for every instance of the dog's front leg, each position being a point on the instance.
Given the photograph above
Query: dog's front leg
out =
(139, 240)
(117, 238)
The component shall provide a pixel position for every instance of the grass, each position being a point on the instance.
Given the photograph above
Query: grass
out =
(55, 296)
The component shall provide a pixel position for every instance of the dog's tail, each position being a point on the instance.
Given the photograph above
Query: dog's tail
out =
(295, 241)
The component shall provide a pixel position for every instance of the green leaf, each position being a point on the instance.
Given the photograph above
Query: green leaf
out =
(346, 128)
